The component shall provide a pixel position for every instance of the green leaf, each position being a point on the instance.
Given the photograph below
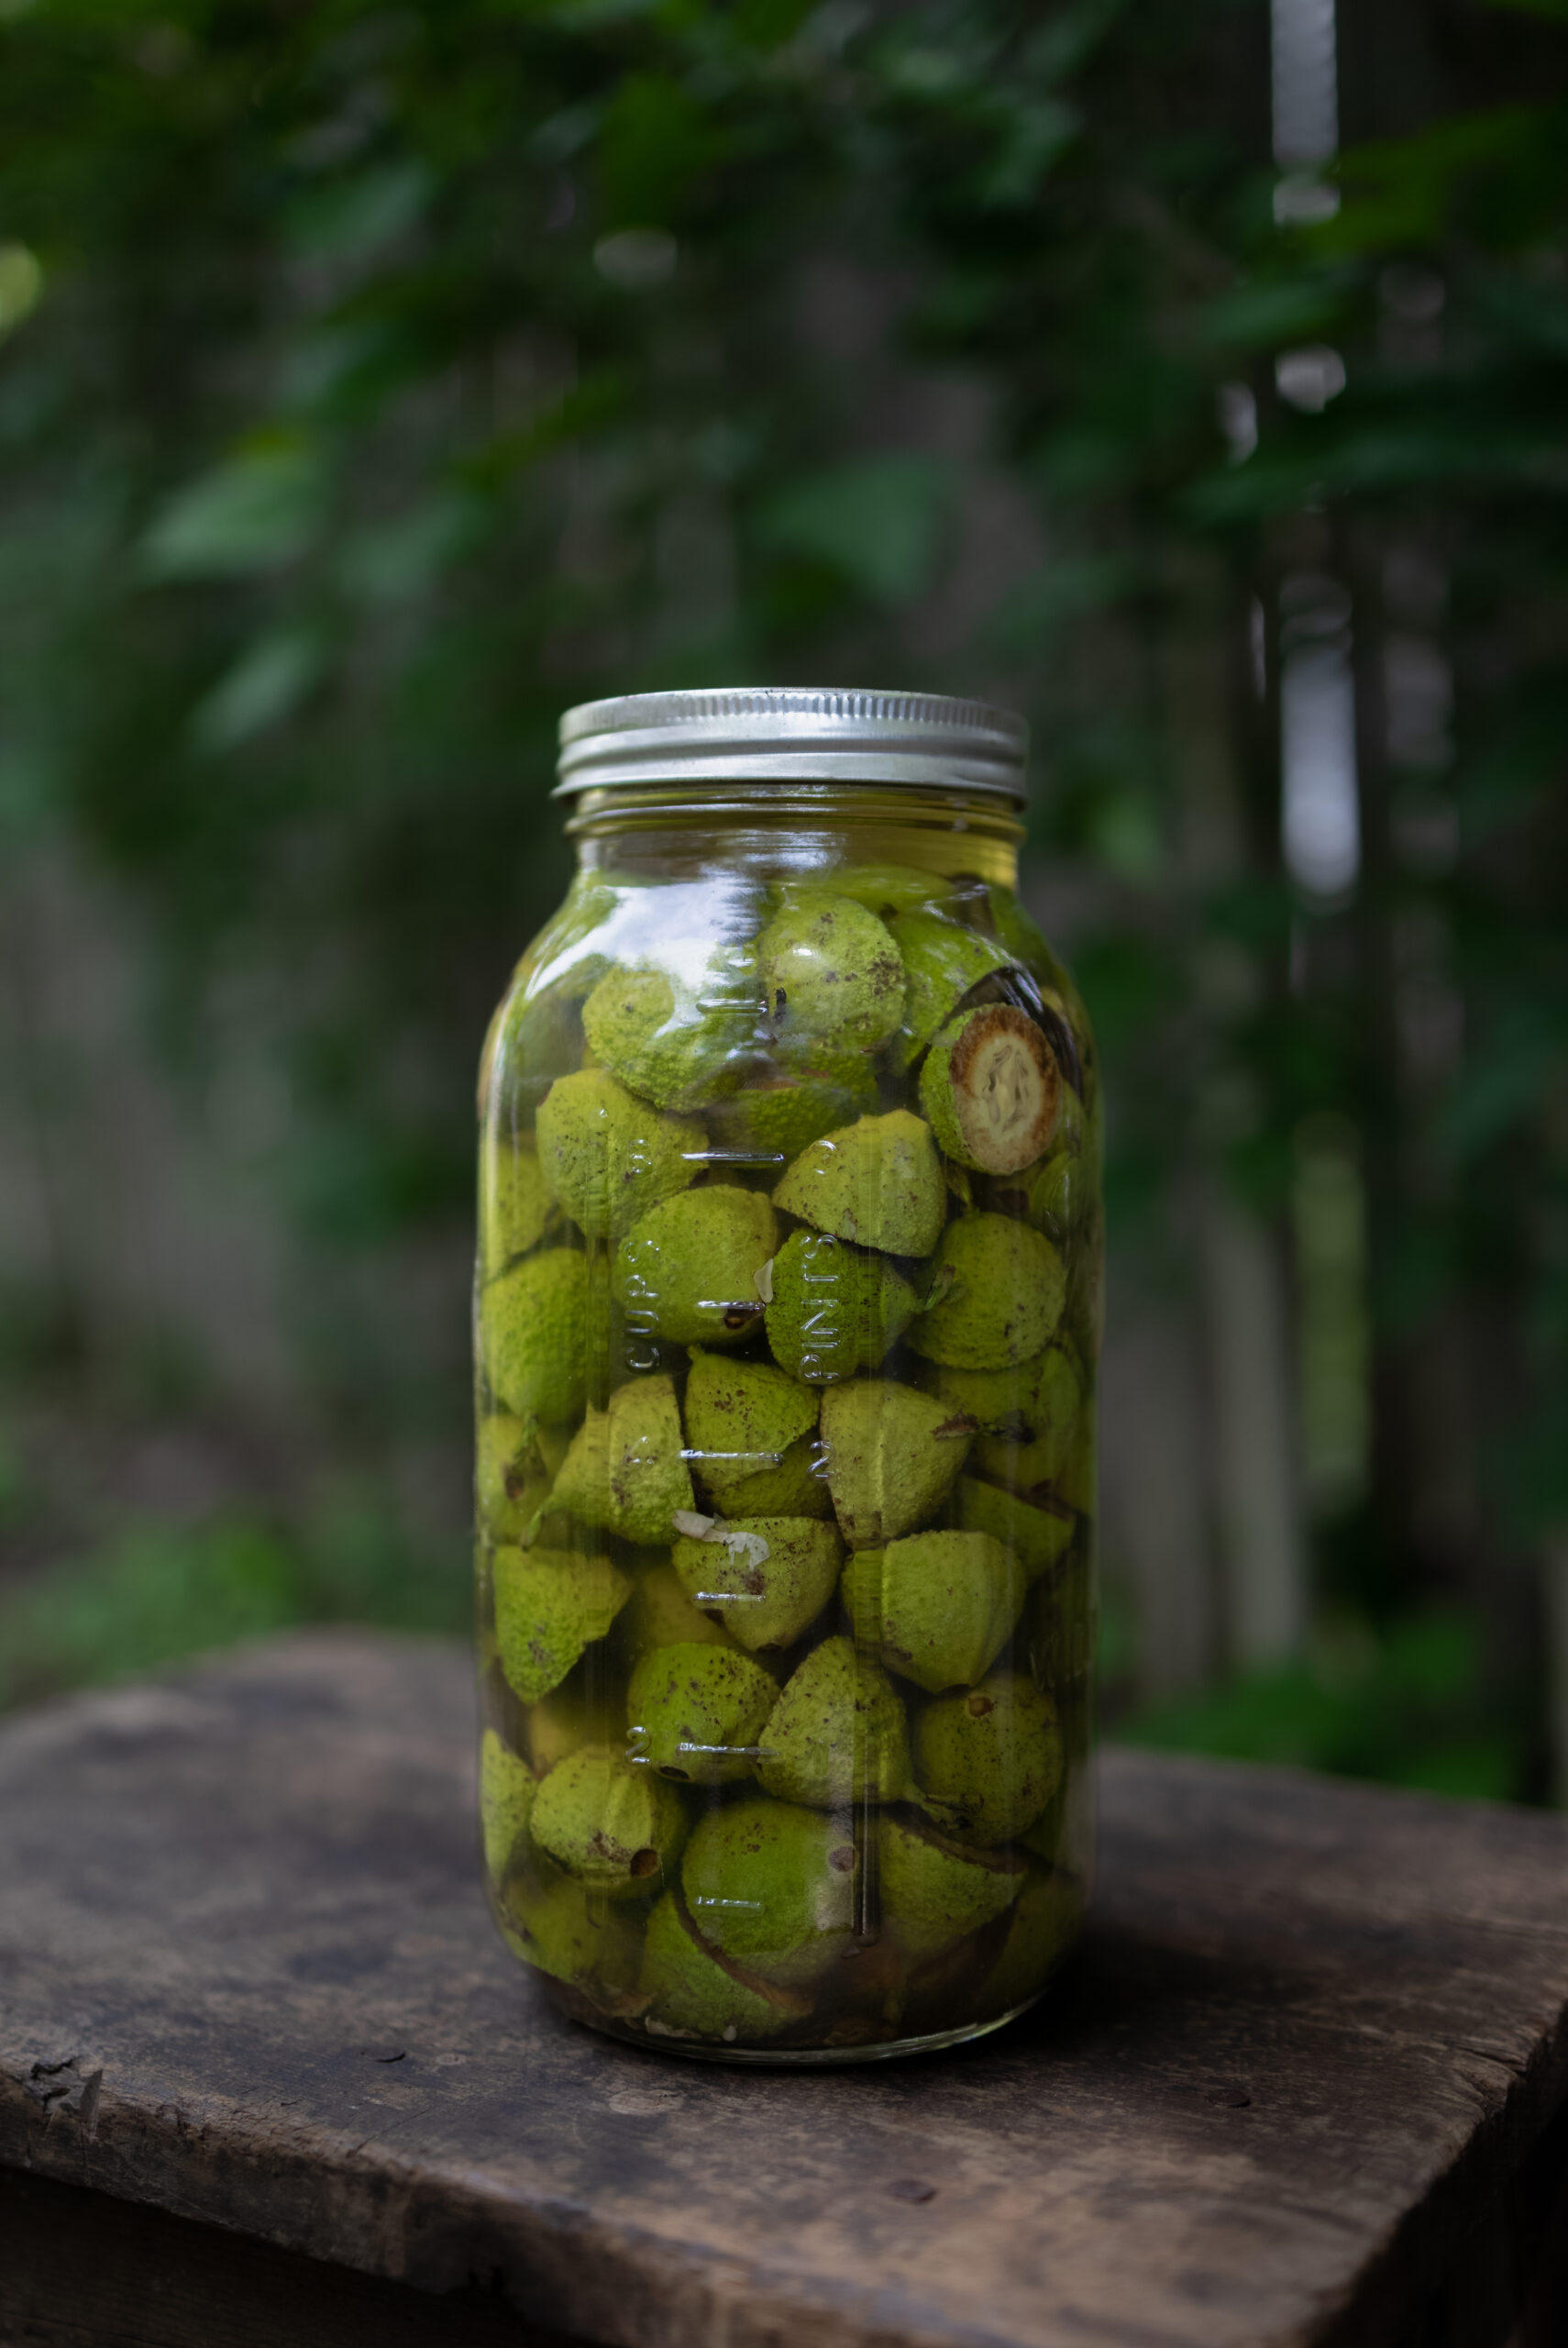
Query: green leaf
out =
(263, 687)
(258, 511)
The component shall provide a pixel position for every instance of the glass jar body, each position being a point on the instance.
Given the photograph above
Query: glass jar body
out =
(786, 1329)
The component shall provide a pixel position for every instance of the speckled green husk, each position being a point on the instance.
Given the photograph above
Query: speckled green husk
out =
(772, 1885)
(837, 1732)
(938, 1606)
(934, 1893)
(617, 1828)
(625, 1473)
(556, 1924)
(877, 1182)
(695, 1712)
(609, 1157)
(942, 961)
(688, 1271)
(742, 1419)
(831, 973)
(691, 1993)
(549, 1605)
(1038, 1537)
(988, 1759)
(516, 1206)
(998, 1289)
(892, 1458)
(660, 1614)
(537, 1335)
(507, 1788)
(674, 1047)
(834, 1309)
(775, 1117)
(767, 1577)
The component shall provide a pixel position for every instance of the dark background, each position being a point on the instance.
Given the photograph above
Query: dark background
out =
(375, 380)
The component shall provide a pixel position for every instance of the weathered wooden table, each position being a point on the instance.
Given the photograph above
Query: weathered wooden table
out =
(263, 2066)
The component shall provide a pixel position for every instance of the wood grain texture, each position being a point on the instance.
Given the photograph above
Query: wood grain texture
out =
(1290, 2092)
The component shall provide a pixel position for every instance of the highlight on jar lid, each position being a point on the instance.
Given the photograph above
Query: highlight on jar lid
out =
(794, 734)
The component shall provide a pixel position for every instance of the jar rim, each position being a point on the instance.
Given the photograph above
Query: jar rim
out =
(767, 734)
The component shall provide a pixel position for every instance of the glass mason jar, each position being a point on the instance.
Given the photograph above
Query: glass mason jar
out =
(787, 1317)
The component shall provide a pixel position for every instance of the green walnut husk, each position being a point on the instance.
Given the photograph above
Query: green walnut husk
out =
(934, 1893)
(992, 1089)
(676, 1047)
(772, 1885)
(688, 1271)
(998, 1292)
(1025, 1415)
(1038, 1537)
(507, 1788)
(508, 1479)
(833, 1311)
(942, 961)
(609, 1157)
(893, 1456)
(837, 1733)
(877, 1182)
(743, 1420)
(691, 1992)
(515, 1205)
(830, 974)
(565, 1929)
(696, 1712)
(660, 1614)
(1061, 1193)
(767, 1577)
(938, 1607)
(625, 1472)
(772, 1119)
(549, 1605)
(988, 1759)
(537, 1336)
(1041, 1931)
(617, 1828)
(886, 889)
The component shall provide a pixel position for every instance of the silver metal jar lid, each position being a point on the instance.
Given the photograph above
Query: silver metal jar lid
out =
(792, 734)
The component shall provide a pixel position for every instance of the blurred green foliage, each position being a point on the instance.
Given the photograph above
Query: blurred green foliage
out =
(377, 380)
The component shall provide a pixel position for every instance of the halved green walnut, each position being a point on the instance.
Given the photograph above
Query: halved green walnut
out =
(837, 1732)
(1038, 1537)
(766, 1578)
(833, 1309)
(561, 1720)
(660, 1614)
(893, 1455)
(938, 1607)
(830, 973)
(934, 1893)
(775, 1117)
(617, 1828)
(1040, 1932)
(537, 1335)
(507, 1788)
(692, 1992)
(677, 1046)
(625, 1472)
(997, 1295)
(556, 1923)
(688, 1271)
(696, 1712)
(772, 1885)
(1024, 1415)
(609, 1157)
(549, 1605)
(988, 1759)
(743, 1418)
(992, 1089)
(877, 1182)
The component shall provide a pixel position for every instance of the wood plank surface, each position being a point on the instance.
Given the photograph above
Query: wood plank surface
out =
(1306, 2082)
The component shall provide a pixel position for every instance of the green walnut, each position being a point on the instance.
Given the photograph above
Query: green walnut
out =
(691, 1992)
(688, 1271)
(1061, 1194)
(773, 1887)
(830, 973)
(938, 1606)
(561, 1721)
(535, 1325)
(507, 1485)
(1040, 1930)
(934, 1893)
(832, 1310)
(986, 1760)
(556, 1924)
(877, 1182)
(767, 1577)
(837, 1733)
(507, 1787)
(942, 961)
(676, 1048)
(660, 1614)
(696, 1712)
(625, 1472)
(883, 889)
(549, 1605)
(1038, 1537)
(893, 1456)
(1024, 1415)
(744, 1419)
(516, 1203)
(992, 1089)
(617, 1828)
(774, 1118)
(608, 1157)
(997, 1295)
